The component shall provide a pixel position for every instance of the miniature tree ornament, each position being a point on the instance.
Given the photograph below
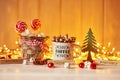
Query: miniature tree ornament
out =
(89, 44)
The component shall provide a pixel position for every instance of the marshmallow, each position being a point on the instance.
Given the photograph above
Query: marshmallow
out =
(66, 65)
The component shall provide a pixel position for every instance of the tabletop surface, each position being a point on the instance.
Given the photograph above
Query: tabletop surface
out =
(42, 72)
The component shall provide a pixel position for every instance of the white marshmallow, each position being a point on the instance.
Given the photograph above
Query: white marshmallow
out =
(66, 65)
(31, 60)
(87, 64)
(25, 62)
(41, 35)
(26, 33)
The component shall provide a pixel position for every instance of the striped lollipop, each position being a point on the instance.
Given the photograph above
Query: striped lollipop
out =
(35, 24)
(21, 26)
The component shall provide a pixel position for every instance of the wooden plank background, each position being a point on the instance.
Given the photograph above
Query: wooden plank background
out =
(73, 17)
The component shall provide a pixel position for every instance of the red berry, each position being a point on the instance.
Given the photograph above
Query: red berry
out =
(50, 65)
(93, 66)
(81, 65)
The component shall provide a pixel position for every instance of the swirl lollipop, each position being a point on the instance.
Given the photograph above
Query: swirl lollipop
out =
(21, 26)
(35, 24)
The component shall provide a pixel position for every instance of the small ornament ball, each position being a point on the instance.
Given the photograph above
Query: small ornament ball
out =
(51, 65)
(93, 66)
(66, 65)
(81, 65)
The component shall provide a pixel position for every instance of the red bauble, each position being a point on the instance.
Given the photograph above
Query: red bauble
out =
(93, 66)
(35, 24)
(81, 65)
(51, 65)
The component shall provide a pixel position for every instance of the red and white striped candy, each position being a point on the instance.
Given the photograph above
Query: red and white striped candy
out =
(21, 26)
(35, 24)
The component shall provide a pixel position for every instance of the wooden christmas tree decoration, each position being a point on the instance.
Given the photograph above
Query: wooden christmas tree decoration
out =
(89, 44)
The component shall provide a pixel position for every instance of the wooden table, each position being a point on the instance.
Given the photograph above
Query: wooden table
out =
(42, 72)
